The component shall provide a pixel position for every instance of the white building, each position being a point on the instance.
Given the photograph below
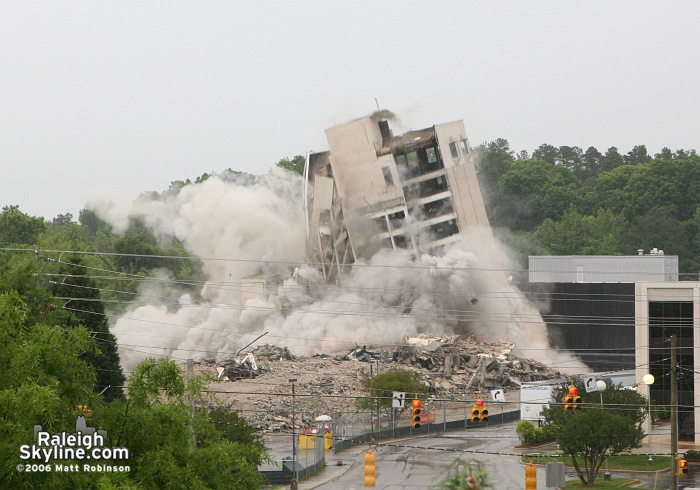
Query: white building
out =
(654, 266)
(663, 309)
(373, 189)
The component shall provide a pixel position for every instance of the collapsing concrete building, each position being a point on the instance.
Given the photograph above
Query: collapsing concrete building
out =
(372, 190)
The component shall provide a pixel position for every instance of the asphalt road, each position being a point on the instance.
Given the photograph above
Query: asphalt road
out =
(421, 462)
(411, 464)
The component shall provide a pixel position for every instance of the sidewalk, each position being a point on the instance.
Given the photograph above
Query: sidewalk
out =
(336, 466)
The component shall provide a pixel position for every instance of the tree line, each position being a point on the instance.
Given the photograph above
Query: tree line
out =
(566, 201)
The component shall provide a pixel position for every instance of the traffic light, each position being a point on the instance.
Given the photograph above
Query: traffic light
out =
(483, 411)
(475, 413)
(577, 400)
(530, 477)
(682, 467)
(370, 469)
(572, 401)
(415, 414)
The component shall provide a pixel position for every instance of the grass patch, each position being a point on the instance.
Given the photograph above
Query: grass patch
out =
(600, 483)
(634, 462)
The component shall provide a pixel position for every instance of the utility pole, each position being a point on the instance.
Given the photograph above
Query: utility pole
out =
(674, 415)
(39, 281)
(371, 400)
(190, 375)
(294, 484)
(379, 410)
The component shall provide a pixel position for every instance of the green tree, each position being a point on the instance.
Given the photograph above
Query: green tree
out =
(17, 228)
(62, 219)
(295, 165)
(592, 162)
(380, 388)
(611, 160)
(590, 434)
(546, 153)
(533, 190)
(492, 161)
(43, 382)
(637, 155)
(169, 447)
(463, 477)
(576, 234)
(86, 310)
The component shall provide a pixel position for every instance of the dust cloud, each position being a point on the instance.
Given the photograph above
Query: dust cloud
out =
(255, 228)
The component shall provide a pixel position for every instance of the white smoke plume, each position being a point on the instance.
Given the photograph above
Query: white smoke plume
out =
(261, 227)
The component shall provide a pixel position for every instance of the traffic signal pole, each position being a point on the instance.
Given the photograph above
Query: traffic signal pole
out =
(674, 415)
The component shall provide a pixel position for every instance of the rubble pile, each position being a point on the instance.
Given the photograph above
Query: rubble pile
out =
(259, 387)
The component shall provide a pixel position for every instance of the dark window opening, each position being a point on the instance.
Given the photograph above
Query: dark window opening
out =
(444, 229)
(381, 223)
(401, 241)
(464, 145)
(453, 150)
(419, 162)
(425, 188)
(387, 176)
(397, 220)
(437, 208)
(666, 319)
(431, 153)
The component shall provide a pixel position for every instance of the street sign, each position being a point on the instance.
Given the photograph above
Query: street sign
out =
(398, 399)
(590, 384)
(498, 396)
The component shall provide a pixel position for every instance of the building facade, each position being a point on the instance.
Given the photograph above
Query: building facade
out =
(588, 301)
(663, 309)
(373, 189)
(654, 266)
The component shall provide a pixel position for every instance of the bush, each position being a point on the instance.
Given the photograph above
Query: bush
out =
(661, 412)
(529, 434)
(526, 432)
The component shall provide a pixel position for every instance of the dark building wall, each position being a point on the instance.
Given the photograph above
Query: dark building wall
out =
(594, 319)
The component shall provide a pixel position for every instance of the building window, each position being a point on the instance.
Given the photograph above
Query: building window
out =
(464, 144)
(387, 176)
(397, 219)
(667, 318)
(412, 159)
(381, 223)
(401, 160)
(432, 155)
(400, 241)
(453, 150)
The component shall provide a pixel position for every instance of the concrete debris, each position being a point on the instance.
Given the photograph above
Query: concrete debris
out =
(239, 369)
(450, 366)
(272, 352)
(360, 354)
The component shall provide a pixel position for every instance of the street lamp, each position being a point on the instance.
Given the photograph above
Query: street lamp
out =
(601, 388)
(294, 485)
(649, 380)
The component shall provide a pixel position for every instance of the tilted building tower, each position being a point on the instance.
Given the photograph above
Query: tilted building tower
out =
(372, 189)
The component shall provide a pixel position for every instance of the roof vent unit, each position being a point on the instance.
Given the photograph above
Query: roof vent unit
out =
(640, 251)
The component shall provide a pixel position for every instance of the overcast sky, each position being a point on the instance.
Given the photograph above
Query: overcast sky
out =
(105, 100)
